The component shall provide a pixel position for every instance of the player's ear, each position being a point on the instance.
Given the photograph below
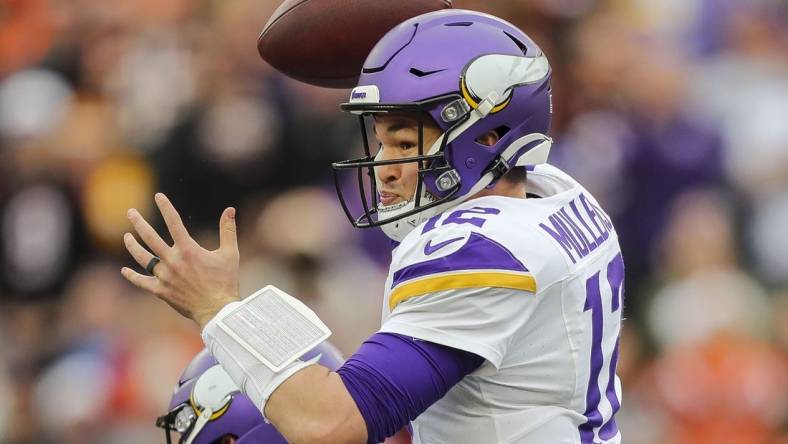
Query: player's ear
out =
(227, 439)
(489, 138)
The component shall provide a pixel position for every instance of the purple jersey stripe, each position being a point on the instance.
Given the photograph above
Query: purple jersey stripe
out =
(478, 253)
(593, 396)
(615, 276)
(610, 429)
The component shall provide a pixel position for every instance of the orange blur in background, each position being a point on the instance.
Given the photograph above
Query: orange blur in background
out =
(673, 113)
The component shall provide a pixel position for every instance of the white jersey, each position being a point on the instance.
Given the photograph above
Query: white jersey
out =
(534, 286)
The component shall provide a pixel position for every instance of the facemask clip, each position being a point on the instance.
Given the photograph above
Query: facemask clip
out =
(448, 180)
(454, 110)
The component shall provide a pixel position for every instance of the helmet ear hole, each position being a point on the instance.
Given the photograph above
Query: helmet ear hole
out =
(491, 138)
(226, 439)
(501, 131)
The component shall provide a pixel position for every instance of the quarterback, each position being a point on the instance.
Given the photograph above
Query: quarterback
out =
(502, 308)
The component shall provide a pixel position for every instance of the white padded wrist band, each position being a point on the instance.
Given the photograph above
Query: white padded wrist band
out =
(258, 341)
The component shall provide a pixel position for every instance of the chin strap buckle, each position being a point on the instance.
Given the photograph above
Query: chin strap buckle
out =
(498, 168)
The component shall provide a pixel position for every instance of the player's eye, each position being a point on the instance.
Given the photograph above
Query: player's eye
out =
(407, 145)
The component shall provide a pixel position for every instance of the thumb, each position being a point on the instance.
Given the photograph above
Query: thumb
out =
(228, 241)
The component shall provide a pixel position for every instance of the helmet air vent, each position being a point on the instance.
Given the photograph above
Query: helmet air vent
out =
(376, 56)
(459, 24)
(419, 73)
(517, 42)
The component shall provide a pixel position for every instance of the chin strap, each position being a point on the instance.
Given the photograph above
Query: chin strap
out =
(512, 156)
(203, 419)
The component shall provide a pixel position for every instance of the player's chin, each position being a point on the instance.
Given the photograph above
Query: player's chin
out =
(388, 202)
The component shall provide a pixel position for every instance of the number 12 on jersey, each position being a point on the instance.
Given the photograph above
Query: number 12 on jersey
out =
(595, 418)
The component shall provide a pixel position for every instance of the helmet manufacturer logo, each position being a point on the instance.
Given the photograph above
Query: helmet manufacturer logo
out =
(365, 94)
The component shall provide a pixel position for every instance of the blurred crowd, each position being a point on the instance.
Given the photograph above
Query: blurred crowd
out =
(674, 113)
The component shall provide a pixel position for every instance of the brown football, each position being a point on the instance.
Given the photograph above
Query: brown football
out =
(325, 42)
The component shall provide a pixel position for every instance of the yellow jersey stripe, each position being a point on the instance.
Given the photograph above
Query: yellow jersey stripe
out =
(517, 281)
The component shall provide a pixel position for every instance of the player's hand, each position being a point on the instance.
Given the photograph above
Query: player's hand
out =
(196, 282)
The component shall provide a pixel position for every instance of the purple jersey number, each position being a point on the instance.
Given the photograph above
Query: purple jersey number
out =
(608, 428)
(460, 217)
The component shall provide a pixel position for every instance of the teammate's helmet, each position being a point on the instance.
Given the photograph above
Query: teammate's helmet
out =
(206, 405)
(471, 73)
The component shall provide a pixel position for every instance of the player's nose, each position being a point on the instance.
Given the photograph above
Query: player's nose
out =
(388, 173)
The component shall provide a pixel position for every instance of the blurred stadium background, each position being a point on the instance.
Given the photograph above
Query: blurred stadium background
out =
(673, 112)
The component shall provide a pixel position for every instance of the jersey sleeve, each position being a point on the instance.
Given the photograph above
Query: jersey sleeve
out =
(393, 379)
(479, 320)
(472, 296)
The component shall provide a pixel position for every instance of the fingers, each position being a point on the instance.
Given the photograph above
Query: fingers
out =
(228, 240)
(137, 251)
(147, 283)
(148, 234)
(172, 219)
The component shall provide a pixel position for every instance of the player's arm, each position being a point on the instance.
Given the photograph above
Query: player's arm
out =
(389, 381)
(463, 318)
(199, 282)
(313, 406)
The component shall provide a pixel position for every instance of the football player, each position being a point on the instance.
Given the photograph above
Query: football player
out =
(502, 308)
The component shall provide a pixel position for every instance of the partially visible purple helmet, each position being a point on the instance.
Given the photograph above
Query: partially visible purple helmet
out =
(233, 413)
(471, 73)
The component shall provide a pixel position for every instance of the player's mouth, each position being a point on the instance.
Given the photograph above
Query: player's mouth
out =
(388, 198)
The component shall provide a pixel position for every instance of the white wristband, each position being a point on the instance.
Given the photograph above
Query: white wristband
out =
(258, 340)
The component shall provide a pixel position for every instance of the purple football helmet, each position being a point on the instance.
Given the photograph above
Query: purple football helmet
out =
(471, 73)
(205, 385)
